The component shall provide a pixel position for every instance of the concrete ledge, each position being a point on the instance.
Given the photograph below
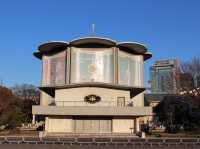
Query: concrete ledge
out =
(93, 111)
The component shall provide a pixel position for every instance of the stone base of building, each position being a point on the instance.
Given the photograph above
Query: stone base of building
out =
(92, 125)
(88, 135)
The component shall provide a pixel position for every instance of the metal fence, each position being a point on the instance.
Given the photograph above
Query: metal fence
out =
(108, 103)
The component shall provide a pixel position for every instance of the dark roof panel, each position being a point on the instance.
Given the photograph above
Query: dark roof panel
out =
(48, 46)
(133, 46)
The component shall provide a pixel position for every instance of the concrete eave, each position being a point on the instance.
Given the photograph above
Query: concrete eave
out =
(134, 90)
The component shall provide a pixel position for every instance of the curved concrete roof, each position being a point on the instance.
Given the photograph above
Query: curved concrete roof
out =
(95, 40)
(47, 46)
(147, 55)
(132, 47)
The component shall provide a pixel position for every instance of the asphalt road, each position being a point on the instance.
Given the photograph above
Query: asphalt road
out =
(53, 146)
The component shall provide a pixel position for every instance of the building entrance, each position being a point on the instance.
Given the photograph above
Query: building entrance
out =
(92, 125)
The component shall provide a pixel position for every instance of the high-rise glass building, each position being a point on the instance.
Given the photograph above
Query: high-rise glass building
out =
(164, 77)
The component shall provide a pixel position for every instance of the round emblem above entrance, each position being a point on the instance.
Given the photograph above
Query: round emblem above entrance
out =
(92, 99)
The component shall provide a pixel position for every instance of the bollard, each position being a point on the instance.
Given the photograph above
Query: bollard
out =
(143, 135)
(40, 134)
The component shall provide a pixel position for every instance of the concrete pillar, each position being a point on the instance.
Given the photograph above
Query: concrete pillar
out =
(33, 119)
(45, 99)
(137, 125)
(145, 119)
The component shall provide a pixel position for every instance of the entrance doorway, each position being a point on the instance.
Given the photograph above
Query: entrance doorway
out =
(93, 125)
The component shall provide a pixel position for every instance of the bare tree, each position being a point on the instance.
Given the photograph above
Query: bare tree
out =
(192, 67)
(190, 73)
(26, 92)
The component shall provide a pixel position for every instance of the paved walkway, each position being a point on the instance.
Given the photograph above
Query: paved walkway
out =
(46, 146)
(97, 143)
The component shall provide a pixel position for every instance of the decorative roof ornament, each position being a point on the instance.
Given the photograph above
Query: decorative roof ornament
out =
(93, 30)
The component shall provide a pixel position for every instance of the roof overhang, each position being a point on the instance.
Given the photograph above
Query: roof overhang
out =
(56, 46)
(133, 90)
(147, 55)
(45, 47)
(133, 47)
(38, 54)
(93, 40)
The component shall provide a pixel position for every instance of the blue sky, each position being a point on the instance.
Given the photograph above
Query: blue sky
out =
(169, 28)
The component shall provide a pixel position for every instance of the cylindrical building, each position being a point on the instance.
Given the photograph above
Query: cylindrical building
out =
(92, 85)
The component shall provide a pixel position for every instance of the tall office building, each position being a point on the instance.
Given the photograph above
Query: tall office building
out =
(197, 80)
(164, 77)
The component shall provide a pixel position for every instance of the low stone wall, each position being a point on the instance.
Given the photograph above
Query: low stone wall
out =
(105, 141)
